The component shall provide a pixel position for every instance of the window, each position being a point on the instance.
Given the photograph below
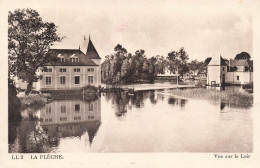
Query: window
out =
(77, 80)
(77, 118)
(91, 117)
(75, 59)
(63, 70)
(90, 69)
(223, 68)
(63, 109)
(48, 80)
(63, 80)
(63, 119)
(48, 70)
(48, 110)
(77, 107)
(48, 119)
(90, 79)
(76, 69)
(237, 77)
(62, 59)
(91, 107)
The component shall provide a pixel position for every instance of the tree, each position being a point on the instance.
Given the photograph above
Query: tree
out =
(195, 65)
(124, 69)
(242, 55)
(178, 61)
(29, 39)
(173, 61)
(183, 60)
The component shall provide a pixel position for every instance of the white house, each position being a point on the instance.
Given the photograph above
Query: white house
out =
(167, 75)
(216, 71)
(75, 69)
(221, 71)
(240, 72)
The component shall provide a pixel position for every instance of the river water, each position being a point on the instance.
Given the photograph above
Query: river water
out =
(148, 121)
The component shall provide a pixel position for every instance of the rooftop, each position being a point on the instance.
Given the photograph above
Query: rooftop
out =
(90, 50)
(243, 62)
(67, 54)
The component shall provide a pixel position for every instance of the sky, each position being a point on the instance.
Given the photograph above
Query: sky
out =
(203, 28)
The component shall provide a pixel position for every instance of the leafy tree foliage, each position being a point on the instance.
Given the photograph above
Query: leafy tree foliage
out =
(196, 65)
(242, 55)
(29, 39)
(177, 61)
(123, 67)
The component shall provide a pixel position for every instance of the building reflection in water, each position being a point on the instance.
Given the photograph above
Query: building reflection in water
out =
(41, 130)
(70, 118)
(177, 101)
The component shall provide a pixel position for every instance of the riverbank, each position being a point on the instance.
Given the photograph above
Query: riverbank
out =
(239, 99)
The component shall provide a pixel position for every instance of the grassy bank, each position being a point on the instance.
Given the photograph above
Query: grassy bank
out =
(34, 100)
(237, 99)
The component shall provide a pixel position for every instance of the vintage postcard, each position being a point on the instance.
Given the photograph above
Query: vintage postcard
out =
(129, 83)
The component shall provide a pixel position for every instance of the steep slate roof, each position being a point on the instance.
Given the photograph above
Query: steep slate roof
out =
(214, 61)
(241, 63)
(224, 62)
(91, 51)
(217, 61)
(67, 53)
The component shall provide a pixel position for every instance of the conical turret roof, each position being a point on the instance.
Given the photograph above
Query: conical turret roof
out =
(89, 49)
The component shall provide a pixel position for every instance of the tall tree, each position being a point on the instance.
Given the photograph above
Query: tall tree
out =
(173, 61)
(177, 61)
(29, 39)
(242, 55)
(183, 60)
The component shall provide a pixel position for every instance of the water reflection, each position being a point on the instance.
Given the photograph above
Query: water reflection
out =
(43, 129)
(151, 121)
(122, 102)
(177, 101)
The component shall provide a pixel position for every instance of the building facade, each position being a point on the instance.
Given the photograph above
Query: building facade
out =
(167, 75)
(73, 69)
(240, 72)
(221, 71)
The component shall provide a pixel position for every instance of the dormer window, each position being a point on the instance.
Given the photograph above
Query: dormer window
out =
(74, 58)
(62, 58)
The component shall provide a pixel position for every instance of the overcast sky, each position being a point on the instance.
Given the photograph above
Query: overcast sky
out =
(204, 29)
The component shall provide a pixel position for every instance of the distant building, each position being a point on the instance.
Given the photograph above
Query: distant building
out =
(240, 72)
(76, 68)
(167, 75)
(221, 71)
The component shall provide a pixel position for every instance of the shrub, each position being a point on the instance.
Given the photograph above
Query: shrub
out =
(90, 88)
(34, 100)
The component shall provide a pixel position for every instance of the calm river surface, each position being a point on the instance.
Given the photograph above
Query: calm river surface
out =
(148, 121)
